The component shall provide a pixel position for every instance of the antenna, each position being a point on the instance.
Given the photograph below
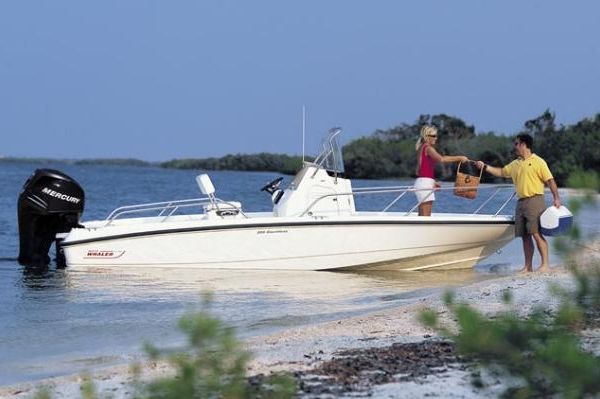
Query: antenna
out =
(303, 130)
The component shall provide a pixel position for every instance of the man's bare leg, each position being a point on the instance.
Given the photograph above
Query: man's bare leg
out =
(542, 246)
(528, 252)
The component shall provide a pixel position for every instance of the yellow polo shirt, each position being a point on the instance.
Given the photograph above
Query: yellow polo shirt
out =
(528, 175)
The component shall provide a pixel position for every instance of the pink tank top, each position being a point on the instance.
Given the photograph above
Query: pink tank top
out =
(427, 167)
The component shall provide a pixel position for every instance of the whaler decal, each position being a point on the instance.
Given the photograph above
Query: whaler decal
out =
(96, 253)
(61, 196)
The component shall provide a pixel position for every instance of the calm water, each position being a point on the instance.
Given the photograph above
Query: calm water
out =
(62, 322)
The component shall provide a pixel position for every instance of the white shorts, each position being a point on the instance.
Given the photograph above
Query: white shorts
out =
(424, 195)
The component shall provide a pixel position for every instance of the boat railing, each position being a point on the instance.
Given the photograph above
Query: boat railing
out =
(403, 190)
(167, 209)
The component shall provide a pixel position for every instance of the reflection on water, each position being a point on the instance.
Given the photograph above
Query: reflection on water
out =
(43, 279)
(258, 302)
(300, 284)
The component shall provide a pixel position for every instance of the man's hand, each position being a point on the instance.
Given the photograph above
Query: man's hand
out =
(479, 164)
(556, 202)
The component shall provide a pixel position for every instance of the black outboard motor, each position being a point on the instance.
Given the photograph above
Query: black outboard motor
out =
(50, 203)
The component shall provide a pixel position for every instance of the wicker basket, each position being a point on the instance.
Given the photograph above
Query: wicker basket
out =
(466, 184)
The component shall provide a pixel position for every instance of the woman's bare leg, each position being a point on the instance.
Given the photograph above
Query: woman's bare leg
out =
(425, 208)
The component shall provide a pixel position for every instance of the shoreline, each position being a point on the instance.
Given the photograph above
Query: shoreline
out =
(303, 350)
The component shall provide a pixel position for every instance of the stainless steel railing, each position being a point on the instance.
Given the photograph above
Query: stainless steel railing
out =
(402, 190)
(167, 209)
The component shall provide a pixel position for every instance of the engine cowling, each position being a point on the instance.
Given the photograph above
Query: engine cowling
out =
(51, 202)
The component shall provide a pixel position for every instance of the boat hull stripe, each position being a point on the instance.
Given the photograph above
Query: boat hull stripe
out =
(279, 225)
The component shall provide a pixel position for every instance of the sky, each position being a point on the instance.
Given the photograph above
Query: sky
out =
(157, 80)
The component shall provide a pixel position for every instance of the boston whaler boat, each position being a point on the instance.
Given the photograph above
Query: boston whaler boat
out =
(313, 226)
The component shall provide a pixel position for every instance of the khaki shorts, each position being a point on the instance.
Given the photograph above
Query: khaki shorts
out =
(527, 215)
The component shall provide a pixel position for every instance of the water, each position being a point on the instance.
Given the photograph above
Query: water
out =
(60, 321)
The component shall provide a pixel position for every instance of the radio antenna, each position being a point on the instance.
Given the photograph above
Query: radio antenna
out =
(303, 130)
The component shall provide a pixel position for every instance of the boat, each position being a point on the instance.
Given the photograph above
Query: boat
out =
(314, 225)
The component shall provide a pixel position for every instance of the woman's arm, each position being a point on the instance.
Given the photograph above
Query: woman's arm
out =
(445, 158)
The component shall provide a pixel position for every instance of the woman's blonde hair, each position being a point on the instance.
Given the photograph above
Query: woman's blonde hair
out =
(426, 130)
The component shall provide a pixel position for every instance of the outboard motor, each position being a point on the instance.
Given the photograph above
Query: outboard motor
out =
(50, 203)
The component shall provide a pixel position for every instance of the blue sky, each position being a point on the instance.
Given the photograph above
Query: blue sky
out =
(158, 80)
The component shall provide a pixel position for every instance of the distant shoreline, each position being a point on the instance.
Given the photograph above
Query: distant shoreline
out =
(92, 161)
(261, 162)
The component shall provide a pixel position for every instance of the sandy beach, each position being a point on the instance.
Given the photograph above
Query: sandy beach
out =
(306, 350)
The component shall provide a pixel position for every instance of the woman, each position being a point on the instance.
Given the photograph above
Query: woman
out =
(427, 157)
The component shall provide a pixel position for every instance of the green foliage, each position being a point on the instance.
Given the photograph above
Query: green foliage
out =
(42, 393)
(87, 388)
(96, 161)
(542, 350)
(587, 294)
(376, 158)
(213, 365)
(391, 153)
(428, 318)
(584, 180)
(112, 161)
(567, 149)
(266, 162)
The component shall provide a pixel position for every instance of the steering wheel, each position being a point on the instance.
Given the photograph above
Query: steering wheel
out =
(272, 186)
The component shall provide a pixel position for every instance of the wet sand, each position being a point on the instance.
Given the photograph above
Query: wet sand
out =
(397, 331)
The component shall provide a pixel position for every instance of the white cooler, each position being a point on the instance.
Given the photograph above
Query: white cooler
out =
(556, 221)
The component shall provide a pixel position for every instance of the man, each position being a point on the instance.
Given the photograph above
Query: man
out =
(529, 173)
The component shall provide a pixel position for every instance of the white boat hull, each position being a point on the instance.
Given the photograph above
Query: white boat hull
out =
(391, 242)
